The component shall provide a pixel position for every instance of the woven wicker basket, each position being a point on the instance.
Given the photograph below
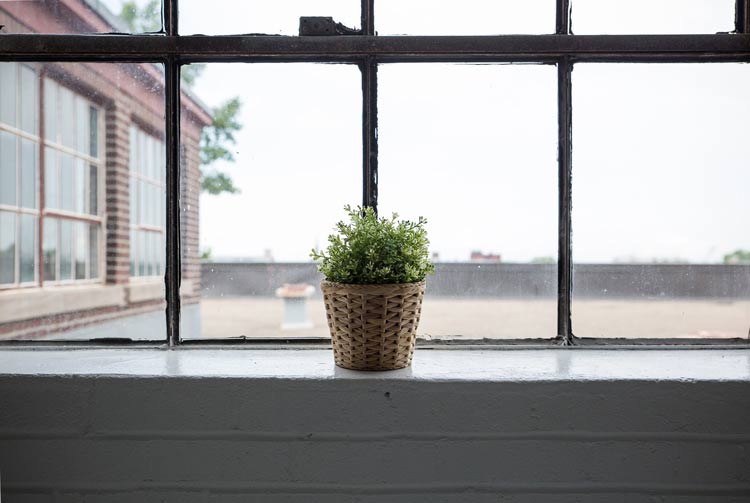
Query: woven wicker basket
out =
(373, 327)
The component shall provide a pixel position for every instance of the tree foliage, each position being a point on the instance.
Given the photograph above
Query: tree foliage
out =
(737, 257)
(217, 139)
(372, 250)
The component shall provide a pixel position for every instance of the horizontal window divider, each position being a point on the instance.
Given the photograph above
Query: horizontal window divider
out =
(19, 132)
(54, 213)
(19, 209)
(194, 48)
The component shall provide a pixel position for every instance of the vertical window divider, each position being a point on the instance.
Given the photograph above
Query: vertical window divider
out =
(369, 69)
(564, 159)
(172, 105)
(562, 21)
(742, 16)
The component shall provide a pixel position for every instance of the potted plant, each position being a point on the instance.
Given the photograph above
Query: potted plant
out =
(375, 270)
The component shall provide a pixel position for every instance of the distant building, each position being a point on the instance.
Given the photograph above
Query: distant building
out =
(82, 183)
(485, 258)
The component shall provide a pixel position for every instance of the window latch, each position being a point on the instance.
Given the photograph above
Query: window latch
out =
(315, 26)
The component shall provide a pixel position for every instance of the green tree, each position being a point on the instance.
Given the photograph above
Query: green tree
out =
(218, 138)
(737, 257)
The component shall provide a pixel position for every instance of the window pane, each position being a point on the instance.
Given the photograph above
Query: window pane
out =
(82, 125)
(93, 132)
(7, 247)
(29, 93)
(50, 249)
(474, 150)
(66, 182)
(651, 16)
(28, 248)
(28, 173)
(51, 181)
(74, 246)
(256, 16)
(660, 211)
(7, 168)
(93, 251)
(81, 230)
(100, 16)
(298, 161)
(8, 84)
(93, 189)
(50, 110)
(80, 185)
(66, 249)
(133, 253)
(466, 17)
(67, 117)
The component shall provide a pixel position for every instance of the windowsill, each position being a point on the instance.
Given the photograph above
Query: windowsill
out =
(524, 365)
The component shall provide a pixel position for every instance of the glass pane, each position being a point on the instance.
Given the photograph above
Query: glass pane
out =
(100, 16)
(297, 162)
(50, 110)
(7, 247)
(50, 249)
(74, 246)
(66, 182)
(29, 93)
(661, 238)
(80, 186)
(94, 251)
(467, 17)
(279, 17)
(8, 96)
(133, 253)
(28, 173)
(93, 189)
(28, 248)
(474, 150)
(51, 179)
(66, 249)
(8, 152)
(651, 16)
(142, 269)
(93, 132)
(81, 231)
(82, 125)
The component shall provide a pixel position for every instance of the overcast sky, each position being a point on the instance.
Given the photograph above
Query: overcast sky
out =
(660, 164)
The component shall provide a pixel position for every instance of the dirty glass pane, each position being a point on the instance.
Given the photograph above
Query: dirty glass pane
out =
(593, 17)
(80, 16)
(8, 93)
(66, 261)
(661, 229)
(279, 17)
(297, 162)
(473, 149)
(467, 17)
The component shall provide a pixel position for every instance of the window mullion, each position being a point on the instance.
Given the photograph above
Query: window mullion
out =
(563, 17)
(564, 159)
(369, 71)
(172, 275)
(742, 16)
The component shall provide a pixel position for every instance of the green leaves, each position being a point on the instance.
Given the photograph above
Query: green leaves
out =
(372, 250)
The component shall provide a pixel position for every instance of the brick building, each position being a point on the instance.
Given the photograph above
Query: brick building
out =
(82, 187)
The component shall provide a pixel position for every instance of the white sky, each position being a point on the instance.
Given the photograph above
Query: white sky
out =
(659, 164)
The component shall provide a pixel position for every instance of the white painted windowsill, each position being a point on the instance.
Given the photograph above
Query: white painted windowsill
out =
(520, 365)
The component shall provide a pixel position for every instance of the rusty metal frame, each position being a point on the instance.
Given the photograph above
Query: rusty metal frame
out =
(367, 50)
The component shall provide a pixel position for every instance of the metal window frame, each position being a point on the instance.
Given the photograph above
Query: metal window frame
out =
(367, 50)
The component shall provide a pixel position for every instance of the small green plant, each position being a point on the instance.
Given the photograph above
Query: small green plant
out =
(371, 250)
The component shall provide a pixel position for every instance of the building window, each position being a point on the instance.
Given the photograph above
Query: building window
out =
(19, 171)
(73, 163)
(147, 212)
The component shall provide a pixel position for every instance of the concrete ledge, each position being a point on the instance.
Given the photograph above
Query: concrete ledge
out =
(517, 426)
(22, 304)
(144, 291)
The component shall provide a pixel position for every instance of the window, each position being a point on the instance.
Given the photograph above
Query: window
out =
(420, 117)
(147, 217)
(73, 164)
